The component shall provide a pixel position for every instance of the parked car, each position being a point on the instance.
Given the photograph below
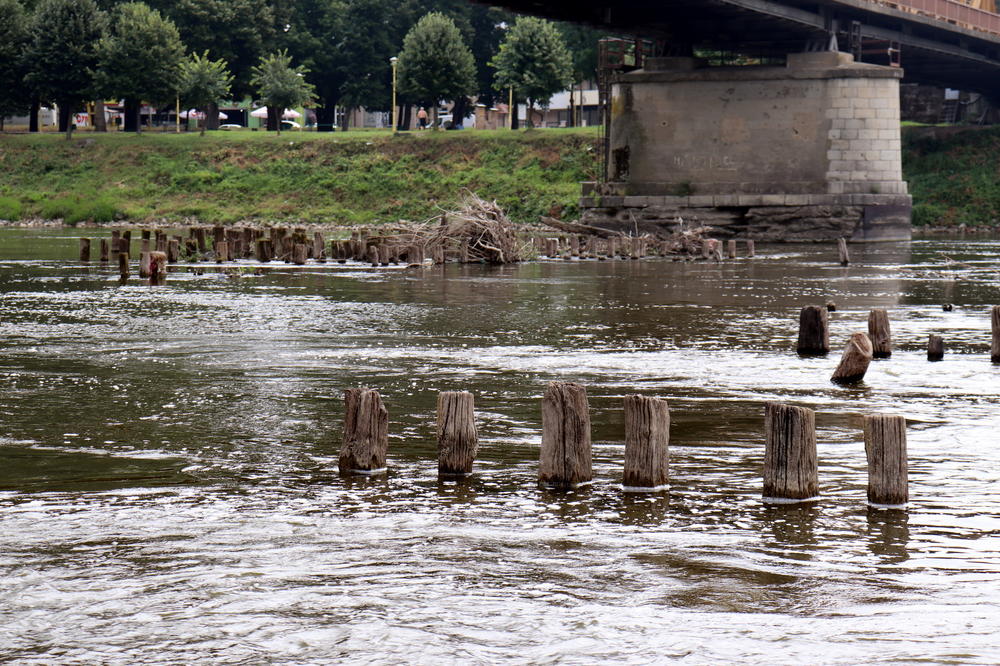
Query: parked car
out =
(230, 126)
(290, 125)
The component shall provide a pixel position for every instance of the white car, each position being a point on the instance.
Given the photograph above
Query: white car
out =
(290, 125)
(230, 126)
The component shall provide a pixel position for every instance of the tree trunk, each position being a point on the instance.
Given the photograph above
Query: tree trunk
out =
(65, 118)
(211, 117)
(515, 122)
(274, 119)
(572, 107)
(36, 107)
(406, 117)
(459, 111)
(100, 122)
(326, 118)
(131, 113)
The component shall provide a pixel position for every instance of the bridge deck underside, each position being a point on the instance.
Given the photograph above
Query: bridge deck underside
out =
(932, 51)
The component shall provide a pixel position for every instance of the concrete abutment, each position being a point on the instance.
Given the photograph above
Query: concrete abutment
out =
(805, 152)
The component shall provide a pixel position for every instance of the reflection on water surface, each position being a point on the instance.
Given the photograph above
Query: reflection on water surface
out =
(169, 493)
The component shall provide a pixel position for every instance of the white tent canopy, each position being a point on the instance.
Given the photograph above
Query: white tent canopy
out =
(287, 115)
(198, 115)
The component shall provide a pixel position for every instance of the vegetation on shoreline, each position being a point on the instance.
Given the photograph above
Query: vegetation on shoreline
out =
(331, 178)
(368, 177)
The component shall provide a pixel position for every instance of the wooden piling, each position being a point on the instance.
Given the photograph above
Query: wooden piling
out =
(318, 248)
(732, 248)
(105, 250)
(300, 251)
(116, 240)
(885, 448)
(144, 246)
(879, 334)
(995, 346)
(125, 244)
(218, 235)
(199, 236)
(463, 251)
(366, 433)
(565, 457)
(845, 257)
(123, 265)
(85, 250)
(647, 443)
(456, 433)
(173, 251)
(814, 331)
(935, 348)
(287, 248)
(221, 252)
(750, 248)
(790, 468)
(263, 250)
(144, 264)
(157, 267)
(373, 257)
(855, 360)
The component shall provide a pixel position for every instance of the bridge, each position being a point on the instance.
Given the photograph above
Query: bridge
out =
(800, 142)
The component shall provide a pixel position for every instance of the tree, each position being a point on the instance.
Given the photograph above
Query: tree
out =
(435, 64)
(63, 53)
(281, 86)
(203, 82)
(534, 60)
(14, 38)
(140, 57)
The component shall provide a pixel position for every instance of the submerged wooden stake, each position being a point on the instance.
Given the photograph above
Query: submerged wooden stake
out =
(157, 267)
(456, 433)
(885, 448)
(300, 251)
(144, 264)
(105, 250)
(790, 468)
(85, 250)
(565, 460)
(221, 251)
(995, 347)
(855, 360)
(878, 333)
(731, 244)
(750, 248)
(935, 348)
(366, 433)
(647, 442)
(123, 265)
(173, 250)
(845, 257)
(814, 330)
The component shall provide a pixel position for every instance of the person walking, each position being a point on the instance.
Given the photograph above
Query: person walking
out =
(422, 118)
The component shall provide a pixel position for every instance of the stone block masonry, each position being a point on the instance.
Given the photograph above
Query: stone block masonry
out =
(809, 151)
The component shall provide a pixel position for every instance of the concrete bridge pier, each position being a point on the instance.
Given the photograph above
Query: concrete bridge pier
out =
(805, 152)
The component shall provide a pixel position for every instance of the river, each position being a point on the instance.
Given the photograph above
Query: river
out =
(168, 463)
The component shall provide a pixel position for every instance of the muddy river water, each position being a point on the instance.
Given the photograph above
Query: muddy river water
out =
(169, 492)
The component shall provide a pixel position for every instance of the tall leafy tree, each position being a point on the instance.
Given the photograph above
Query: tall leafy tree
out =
(203, 82)
(435, 64)
(140, 57)
(534, 60)
(582, 44)
(63, 53)
(14, 38)
(280, 85)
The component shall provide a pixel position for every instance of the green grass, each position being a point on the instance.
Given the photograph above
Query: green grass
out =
(344, 177)
(954, 175)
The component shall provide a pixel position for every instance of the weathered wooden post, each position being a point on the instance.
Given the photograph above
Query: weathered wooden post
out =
(144, 245)
(565, 458)
(221, 252)
(612, 248)
(366, 433)
(85, 250)
(157, 267)
(935, 348)
(145, 264)
(463, 251)
(879, 334)
(299, 254)
(855, 360)
(123, 265)
(173, 251)
(647, 443)
(995, 347)
(750, 248)
(706, 248)
(373, 258)
(790, 468)
(218, 235)
(574, 246)
(732, 248)
(456, 433)
(831, 306)
(199, 236)
(105, 250)
(814, 331)
(287, 247)
(318, 247)
(885, 448)
(161, 241)
(116, 240)
(263, 250)
(125, 244)
(845, 257)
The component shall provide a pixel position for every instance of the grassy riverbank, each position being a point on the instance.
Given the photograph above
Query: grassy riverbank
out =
(369, 177)
(348, 178)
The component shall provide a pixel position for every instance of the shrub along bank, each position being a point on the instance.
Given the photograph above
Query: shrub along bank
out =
(330, 178)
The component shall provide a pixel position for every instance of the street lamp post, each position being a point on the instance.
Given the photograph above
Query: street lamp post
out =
(395, 122)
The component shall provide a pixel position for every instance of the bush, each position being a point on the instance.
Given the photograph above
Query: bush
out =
(931, 214)
(10, 209)
(83, 207)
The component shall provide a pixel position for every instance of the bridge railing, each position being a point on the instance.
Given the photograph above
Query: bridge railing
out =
(954, 12)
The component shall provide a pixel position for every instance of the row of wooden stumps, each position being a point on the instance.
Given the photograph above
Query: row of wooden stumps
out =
(790, 461)
(861, 348)
(629, 247)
